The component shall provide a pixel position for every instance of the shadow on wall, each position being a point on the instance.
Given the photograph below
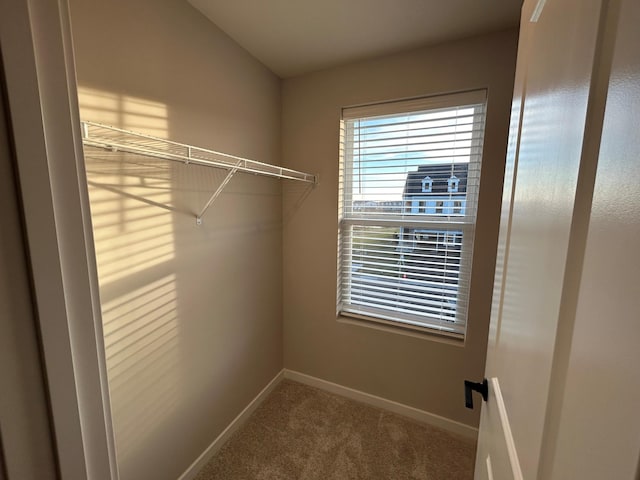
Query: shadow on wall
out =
(293, 196)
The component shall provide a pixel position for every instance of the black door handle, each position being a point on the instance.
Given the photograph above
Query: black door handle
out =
(469, 387)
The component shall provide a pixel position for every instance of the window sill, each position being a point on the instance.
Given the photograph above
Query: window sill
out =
(425, 333)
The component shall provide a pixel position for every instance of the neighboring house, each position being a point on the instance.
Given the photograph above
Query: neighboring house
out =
(437, 190)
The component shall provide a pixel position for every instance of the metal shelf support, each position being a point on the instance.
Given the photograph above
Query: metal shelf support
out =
(216, 193)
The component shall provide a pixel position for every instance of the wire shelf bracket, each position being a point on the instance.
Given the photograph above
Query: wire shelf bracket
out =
(117, 139)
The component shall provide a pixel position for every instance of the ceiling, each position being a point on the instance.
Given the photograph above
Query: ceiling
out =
(293, 37)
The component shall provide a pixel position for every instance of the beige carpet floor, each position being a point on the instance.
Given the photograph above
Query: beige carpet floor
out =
(302, 433)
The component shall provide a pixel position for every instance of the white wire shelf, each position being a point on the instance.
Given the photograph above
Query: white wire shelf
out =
(118, 139)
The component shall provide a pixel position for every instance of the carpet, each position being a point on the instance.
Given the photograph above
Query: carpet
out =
(302, 433)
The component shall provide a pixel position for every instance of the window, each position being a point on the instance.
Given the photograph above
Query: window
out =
(427, 184)
(453, 184)
(388, 151)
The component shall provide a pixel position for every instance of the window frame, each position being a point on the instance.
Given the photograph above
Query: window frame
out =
(451, 229)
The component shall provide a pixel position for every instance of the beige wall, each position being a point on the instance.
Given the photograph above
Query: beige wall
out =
(419, 372)
(192, 315)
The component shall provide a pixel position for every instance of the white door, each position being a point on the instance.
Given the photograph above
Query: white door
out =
(595, 431)
(556, 54)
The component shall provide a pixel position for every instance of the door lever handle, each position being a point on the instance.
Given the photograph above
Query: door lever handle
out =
(469, 387)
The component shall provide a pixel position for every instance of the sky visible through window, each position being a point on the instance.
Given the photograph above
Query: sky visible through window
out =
(385, 148)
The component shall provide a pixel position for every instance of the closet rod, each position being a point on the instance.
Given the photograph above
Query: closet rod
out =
(118, 139)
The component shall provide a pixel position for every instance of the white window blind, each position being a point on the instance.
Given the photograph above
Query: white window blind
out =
(409, 180)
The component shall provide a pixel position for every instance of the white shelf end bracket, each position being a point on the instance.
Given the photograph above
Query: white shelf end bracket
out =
(218, 191)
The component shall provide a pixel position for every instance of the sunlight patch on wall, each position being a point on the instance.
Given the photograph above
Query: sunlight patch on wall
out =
(99, 106)
(130, 209)
(123, 111)
(141, 343)
(132, 215)
(130, 195)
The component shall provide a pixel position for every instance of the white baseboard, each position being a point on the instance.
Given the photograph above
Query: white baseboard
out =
(237, 422)
(384, 404)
